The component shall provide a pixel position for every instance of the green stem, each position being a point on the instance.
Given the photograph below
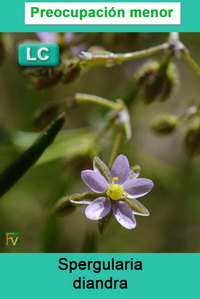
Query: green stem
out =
(105, 129)
(173, 36)
(83, 98)
(111, 59)
(116, 144)
(189, 113)
(190, 60)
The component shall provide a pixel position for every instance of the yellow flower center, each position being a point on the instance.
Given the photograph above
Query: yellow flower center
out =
(115, 191)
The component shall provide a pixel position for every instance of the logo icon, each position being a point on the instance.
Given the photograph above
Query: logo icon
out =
(38, 55)
(13, 239)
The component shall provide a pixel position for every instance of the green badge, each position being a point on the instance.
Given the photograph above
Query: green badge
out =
(38, 55)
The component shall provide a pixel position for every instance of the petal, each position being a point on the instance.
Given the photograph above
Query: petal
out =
(124, 215)
(138, 187)
(94, 180)
(100, 166)
(69, 36)
(120, 169)
(48, 37)
(77, 50)
(98, 209)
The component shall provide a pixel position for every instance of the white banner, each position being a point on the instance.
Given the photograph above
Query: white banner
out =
(102, 13)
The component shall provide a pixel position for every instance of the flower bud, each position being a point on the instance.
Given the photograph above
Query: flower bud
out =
(64, 207)
(165, 124)
(157, 80)
(47, 115)
(6, 45)
(192, 138)
(71, 72)
(97, 50)
(43, 77)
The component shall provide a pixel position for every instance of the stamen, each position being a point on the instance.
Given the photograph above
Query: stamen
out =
(115, 179)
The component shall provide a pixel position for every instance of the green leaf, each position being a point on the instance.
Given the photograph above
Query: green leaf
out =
(70, 144)
(28, 158)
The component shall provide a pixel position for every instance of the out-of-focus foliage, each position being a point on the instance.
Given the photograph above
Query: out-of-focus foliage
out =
(174, 204)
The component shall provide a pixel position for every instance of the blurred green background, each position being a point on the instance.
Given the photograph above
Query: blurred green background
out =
(174, 203)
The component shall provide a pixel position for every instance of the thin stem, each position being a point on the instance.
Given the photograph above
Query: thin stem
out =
(116, 144)
(173, 36)
(189, 113)
(111, 59)
(190, 60)
(105, 129)
(83, 98)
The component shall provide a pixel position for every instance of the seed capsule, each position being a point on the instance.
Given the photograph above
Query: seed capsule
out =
(165, 124)
(42, 77)
(71, 72)
(157, 81)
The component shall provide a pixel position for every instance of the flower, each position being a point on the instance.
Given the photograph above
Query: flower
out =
(118, 189)
(70, 38)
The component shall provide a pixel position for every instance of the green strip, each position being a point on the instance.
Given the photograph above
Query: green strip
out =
(26, 160)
